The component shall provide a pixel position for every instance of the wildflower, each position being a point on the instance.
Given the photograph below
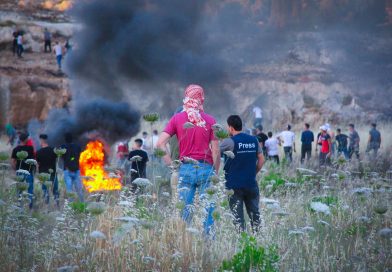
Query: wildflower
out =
(3, 156)
(96, 208)
(142, 182)
(68, 268)
(323, 222)
(192, 230)
(96, 234)
(136, 158)
(177, 255)
(159, 153)
(59, 151)
(362, 191)
(21, 155)
(280, 213)
(180, 205)
(43, 177)
(22, 186)
(320, 207)
(363, 219)
(148, 259)
(221, 134)
(229, 154)
(216, 215)
(308, 229)
(125, 203)
(229, 192)
(128, 219)
(214, 179)
(217, 127)
(60, 219)
(151, 117)
(5, 165)
(269, 201)
(22, 172)
(166, 194)
(31, 162)
(380, 209)
(306, 171)
(385, 233)
(296, 232)
(211, 190)
(188, 125)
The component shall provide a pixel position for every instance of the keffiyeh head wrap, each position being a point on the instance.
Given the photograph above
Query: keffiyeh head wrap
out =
(193, 104)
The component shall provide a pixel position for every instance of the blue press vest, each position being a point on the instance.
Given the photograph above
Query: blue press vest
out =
(241, 171)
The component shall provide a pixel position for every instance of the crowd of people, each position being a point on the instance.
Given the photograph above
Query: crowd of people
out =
(243, 155)
(18, 46)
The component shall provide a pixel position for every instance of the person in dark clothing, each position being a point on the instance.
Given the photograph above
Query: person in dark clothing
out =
(342, 141)
(354, 142)
(15, 43)
(46, 159)
(21, 166)
(71, 166)
(48, 41)
(262, 138)
(374, 141)
(307, 138)
(139, 163)
(240, 172)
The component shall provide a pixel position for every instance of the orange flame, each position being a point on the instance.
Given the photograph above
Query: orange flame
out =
(91, 163)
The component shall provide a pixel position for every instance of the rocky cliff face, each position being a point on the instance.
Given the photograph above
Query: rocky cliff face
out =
(312, 78)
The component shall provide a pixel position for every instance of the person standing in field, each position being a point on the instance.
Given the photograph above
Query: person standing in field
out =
(198, 151)
(374, 140)
(71, 167)
(19, 163)
(139, 159)
(262, 137)
(46, 159)
(258, 116)
(58, 50)
(326, 146)
(354, 142)
(342, 142)
(287, 137)
(240, 172)
(307, 138)
(272, 145)
(19, 41)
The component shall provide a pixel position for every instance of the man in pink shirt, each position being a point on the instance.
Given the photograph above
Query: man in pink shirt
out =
(198, 148)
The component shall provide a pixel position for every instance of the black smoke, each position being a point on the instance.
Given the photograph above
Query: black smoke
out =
(151, 44)
(112, 121)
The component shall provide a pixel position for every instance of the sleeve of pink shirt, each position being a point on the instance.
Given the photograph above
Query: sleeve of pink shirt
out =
(171, 127)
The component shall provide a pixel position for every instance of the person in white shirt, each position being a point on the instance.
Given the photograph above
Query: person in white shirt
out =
(146, 142)
(58, 50)
(272, 146)
(287, 137)
(154, 137)
(20, 49)
(258, 116)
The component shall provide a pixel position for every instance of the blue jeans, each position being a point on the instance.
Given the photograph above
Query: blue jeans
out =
(191, 178)
(344, 151)
(55, 189)
(72, 179)
(288, 153)
(30, 180)
(59, 57)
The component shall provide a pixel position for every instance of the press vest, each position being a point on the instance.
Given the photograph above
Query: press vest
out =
(241, 171)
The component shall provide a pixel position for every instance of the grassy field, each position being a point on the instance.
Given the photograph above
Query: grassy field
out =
(332, 219)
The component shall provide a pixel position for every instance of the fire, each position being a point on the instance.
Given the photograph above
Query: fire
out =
(92, 169)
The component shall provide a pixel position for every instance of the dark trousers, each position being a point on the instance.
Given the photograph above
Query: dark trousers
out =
(324, 159)
(352, 150)
(250, 197)
(288, 153)
(20, 50)
(15, 47)
(274, 158)
(306, 151)
(48, 44)
(55, 189)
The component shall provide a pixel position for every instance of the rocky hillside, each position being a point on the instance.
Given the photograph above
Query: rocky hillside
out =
(311, 76)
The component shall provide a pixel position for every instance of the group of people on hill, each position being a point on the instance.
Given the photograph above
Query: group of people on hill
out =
(328, 143)
(58, 49)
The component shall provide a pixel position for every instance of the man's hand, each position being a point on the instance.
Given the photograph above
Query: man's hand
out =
(215, 155)
(162, 144)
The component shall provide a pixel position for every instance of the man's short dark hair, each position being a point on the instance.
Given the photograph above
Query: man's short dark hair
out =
(260, 127)
(23, 136)
(374, 125)
(269, 134)
(288, 127)
(155, 132)
(43, 136)
(351, 125)
(68, 138)
(307, 125)
(235, 122)
(144, 133)
(139, 142)
(339, 130)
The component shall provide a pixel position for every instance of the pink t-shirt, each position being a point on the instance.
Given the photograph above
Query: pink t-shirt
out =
(193, 142)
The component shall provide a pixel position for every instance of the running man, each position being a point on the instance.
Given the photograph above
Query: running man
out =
(354, 142)
(272, 145)
(287, 137)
